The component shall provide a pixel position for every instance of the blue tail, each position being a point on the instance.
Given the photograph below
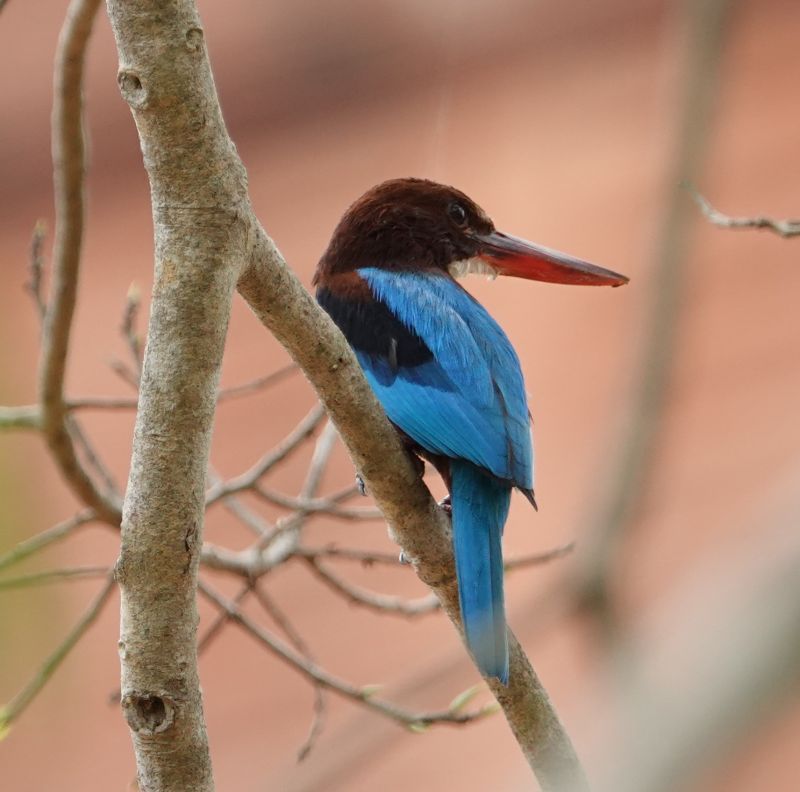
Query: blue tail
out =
(480, 507)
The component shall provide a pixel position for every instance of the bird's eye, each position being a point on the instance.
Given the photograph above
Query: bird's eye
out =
(457, 213)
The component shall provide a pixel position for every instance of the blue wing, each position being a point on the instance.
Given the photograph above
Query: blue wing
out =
(467, 401)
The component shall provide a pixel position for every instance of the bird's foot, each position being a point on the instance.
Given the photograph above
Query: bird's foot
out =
(403, 558)
(446, 505)
(362, 487)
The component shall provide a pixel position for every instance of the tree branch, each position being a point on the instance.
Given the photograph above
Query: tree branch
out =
(69, 163)
(17, 705)
(200, 218)
(52, 576)
(249, 478)
(418, 525)
(783, 228)
(41, 540)
(364, 696)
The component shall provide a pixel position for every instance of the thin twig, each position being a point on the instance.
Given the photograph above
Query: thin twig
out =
(255, 522)
(258, 384)
(385, 603)
(69, 165)
(130, 314)
(41, 540)
(315, 505)
(17, 705)
(220, 620)
(784, 228)
(365, 696)
(292, 441)
(365, 557)
(225, 394)
(93, 458)
(294, 637)
(53, 576)
(36, 268)
(535, 559)
(101, 403)
(125, 373)
(400, 606)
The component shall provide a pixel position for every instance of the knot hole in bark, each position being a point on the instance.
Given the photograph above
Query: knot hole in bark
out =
(131, 88)
(147, 713)
(194, 39)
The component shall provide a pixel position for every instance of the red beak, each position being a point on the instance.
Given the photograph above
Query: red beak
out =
(521, 259)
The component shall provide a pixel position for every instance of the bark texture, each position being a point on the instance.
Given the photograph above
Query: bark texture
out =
(198, 194)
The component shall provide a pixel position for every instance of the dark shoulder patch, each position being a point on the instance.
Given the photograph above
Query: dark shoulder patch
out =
(370, 327)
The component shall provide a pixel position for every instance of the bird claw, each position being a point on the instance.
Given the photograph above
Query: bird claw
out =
(403, 558)
(445, 505)
(362, 487)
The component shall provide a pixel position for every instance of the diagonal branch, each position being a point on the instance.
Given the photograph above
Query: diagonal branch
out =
(17, 705)
(41, 540)
(364, 696)
(418, 525)
(248, 479)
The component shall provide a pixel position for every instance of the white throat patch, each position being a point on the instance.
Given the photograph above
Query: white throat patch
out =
(472, 266)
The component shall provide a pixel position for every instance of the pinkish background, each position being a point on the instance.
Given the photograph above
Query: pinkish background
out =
(560, 120)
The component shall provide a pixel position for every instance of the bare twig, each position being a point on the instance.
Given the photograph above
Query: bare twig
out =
(53, 576)
(783, 228)
(36, 543)
(130, 315)
(36, 269)
(101, 403)
(17, 705)
(365, 696)
(365, 557)
(68, 174)
(283, 622)
(125, 373)
(536, 559)
(93, 458)
(224, 394)
(257, 524)
(221, 619)
(315, 505)
(386, 603)
(258, 384)
(292, 441)
(399, 605)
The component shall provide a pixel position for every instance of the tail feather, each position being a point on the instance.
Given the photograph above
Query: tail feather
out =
(480, 507)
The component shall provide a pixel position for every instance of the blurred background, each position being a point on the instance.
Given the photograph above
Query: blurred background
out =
(572, 124)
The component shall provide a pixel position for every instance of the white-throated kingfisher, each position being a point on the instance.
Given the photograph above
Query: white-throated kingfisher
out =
(443, 369)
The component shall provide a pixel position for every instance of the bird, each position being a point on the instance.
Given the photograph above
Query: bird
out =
(442, 368)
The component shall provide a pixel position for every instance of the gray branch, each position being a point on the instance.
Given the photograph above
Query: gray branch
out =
(68, 173)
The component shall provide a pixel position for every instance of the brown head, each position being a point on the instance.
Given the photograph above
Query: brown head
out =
(415, 224)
